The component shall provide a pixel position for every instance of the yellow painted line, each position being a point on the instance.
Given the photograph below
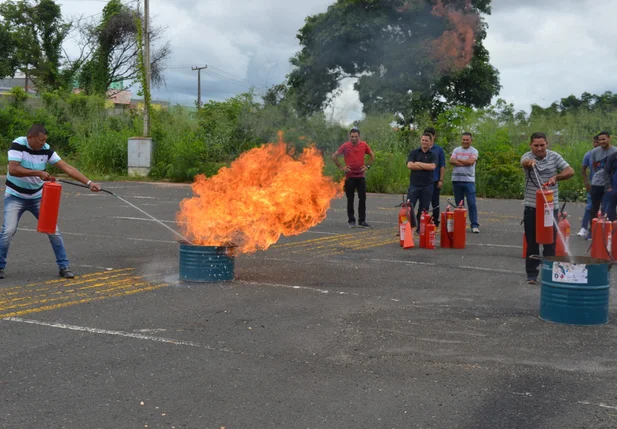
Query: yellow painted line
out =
(101, 273)
(81, 301)
(63, 285)
(69, 296)
(384, 243)
(347, 243)
(72, 289)
(314, 240)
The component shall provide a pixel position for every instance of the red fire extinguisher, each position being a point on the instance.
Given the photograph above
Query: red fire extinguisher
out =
(430, 235)
(601, 238)
(544, 216)
(564, 231)
(459, 236)
(424, 220)
(447, 228)
(402, 223)
(50, 205)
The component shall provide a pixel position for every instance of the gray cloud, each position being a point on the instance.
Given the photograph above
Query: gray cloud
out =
(544, 49)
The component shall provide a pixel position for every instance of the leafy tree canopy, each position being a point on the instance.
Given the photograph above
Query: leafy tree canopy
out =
(409, 56)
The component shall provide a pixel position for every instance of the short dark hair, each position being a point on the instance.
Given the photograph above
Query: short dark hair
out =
(604, 133)
(535, 136)
(431, 131)
(468, 134)
(354, 130)
(596, 137)
(37, 129)
(429, 135)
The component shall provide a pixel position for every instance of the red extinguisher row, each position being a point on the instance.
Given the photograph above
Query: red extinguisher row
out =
(453, 228)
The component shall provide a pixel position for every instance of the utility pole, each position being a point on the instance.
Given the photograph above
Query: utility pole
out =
(147, 67)
(199, 69)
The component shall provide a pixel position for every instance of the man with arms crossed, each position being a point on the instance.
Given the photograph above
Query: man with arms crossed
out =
(422, 162)
(464, 160)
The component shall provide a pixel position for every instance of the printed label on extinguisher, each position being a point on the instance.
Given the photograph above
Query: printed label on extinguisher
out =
(450, 225)
(402, 230)
(548, 215)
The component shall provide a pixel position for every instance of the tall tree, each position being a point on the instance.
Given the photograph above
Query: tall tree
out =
(7, 60)
(408, 55)
(114, 47)
(37, 32)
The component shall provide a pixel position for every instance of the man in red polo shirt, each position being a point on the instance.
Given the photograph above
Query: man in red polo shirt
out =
(354, 152)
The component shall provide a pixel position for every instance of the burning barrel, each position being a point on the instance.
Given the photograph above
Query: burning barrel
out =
(206, 264)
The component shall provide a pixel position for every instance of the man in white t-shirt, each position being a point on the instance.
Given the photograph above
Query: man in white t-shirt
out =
(464, 160)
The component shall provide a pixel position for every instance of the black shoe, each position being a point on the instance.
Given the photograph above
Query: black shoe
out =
(65, 273)
(364, 225)
(1, 274)
(352, 224)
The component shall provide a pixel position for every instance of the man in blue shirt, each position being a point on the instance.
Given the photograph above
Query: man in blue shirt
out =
(584, 232)
(28, 157)
(438, 174)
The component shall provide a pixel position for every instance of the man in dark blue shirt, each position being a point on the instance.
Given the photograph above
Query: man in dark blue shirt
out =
(422, 163)
(438, 173)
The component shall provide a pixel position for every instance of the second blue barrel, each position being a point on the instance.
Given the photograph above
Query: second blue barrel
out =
(575, 291)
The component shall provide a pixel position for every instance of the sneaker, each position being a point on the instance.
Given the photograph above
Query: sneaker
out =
(364, 225)
(1, 274)
(65, 273)
(583, 233)
(352, 224)
(532, 281)
(475, 230)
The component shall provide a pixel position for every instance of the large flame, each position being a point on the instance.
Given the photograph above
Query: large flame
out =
(264, 194)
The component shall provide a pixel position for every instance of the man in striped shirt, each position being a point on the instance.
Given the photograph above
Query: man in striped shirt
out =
(28, 157)
(549, 167)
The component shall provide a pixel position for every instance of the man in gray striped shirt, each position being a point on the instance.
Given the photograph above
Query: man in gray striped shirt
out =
(464, 160)
(550, 168)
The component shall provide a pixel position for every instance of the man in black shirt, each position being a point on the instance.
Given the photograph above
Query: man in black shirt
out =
(422, 162)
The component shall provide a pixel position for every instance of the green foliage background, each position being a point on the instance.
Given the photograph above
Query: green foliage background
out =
(93, 136)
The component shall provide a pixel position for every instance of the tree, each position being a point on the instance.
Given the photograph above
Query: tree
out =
(113, 48)
(37, 32)
(7, 60)
(409, 56)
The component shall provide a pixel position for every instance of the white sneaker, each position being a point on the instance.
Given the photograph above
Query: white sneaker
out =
(583, 233)
(475, 230)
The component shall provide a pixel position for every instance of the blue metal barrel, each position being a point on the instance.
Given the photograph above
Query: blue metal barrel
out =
(575, 292)
(206, 264)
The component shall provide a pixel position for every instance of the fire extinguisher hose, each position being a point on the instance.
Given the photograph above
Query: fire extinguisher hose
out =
(132, 205)
(85, 186)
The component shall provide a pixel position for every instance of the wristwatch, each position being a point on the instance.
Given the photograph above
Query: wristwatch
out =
(368, 166)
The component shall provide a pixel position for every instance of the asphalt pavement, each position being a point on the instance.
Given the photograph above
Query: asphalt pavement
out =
(335, 328)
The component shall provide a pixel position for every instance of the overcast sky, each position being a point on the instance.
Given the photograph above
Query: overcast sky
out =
(544, 49)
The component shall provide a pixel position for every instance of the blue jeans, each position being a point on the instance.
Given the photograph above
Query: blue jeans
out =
(14, 207)
(587, 215)
(467, 190)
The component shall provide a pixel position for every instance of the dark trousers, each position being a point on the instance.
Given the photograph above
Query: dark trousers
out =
(610, 204)
(435, 203)
(597, 195)
(422, 194)
(351, 185)
(533, 248)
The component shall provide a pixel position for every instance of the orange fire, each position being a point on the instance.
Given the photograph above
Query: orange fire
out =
(454, 49)
(264, 194)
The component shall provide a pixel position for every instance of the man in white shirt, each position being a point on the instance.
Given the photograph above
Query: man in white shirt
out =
(464, 160)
